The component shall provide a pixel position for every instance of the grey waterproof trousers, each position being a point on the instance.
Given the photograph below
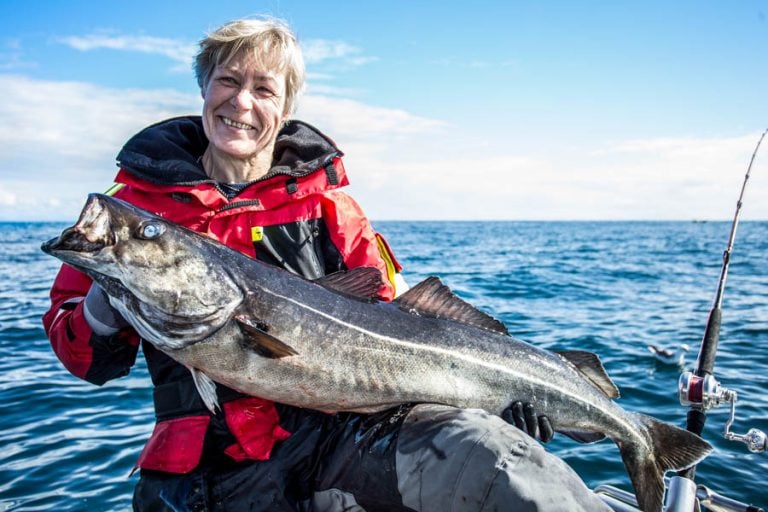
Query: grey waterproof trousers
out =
(412, 458)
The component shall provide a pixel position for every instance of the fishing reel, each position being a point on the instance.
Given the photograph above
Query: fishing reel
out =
(705, 393)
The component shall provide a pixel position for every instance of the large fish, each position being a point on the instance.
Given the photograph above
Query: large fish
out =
(328, 345)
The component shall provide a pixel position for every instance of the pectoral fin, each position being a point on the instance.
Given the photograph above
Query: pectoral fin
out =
(590, 367)
(206, 388)
(261, 342)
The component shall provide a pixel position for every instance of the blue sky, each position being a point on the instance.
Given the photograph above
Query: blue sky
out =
(445, 109)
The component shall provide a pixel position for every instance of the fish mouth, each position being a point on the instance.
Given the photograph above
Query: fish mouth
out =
(73, 239)
(90, 234)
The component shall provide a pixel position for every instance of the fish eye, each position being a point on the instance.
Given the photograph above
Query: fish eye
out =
(150, 230)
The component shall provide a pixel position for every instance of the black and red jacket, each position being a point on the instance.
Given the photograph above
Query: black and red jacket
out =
(294, 217)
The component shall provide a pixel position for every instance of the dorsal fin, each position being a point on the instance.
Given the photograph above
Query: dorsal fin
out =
(361, 282)
(257, 339)
(592, 369)
(432, 298)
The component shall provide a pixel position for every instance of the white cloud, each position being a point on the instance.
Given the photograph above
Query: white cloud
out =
(77, 120)
(12, 57)
(685, 167)
(8, 198)
(319, 50)
(401, 165)
(66, 148)
(38, 199)
(450, 62)
(354, 120)
(182, 52)
(60, 139)
(664, 179)
(178, 51)
(331, 90)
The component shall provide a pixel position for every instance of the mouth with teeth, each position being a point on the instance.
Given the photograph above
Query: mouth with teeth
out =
(234, 124)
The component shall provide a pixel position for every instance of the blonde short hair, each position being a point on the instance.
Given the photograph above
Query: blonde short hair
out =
(270, 41)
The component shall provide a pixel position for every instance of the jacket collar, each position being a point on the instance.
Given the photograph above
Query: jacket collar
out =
(168, 152)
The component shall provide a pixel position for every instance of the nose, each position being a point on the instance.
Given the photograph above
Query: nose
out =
(242, 99)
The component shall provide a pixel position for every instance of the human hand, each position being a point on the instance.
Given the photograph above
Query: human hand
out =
(100, 315)
(524, 417)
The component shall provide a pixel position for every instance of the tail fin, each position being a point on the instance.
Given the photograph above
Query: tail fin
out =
(671, 449)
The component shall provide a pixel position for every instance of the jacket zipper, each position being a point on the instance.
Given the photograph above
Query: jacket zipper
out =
(238, 204)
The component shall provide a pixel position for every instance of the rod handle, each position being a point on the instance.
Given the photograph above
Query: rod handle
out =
(706, 362)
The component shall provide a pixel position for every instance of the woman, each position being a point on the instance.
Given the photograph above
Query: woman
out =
(247, 176)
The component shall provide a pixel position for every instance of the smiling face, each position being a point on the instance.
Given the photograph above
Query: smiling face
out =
(243, 109)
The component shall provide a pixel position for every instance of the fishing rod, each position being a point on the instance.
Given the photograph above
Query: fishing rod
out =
(707, 353)
(700, 390)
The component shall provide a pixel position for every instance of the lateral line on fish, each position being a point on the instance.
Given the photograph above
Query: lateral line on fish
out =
(458, 355)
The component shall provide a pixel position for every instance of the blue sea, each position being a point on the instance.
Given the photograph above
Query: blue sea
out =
(609, 287)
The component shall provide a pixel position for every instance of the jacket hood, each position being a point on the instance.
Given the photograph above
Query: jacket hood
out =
(169, 152)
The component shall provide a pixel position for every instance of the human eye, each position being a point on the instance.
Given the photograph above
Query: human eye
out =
(265, 90)
(227, 80)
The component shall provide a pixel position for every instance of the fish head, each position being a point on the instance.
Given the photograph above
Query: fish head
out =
(165, 280)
